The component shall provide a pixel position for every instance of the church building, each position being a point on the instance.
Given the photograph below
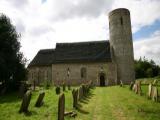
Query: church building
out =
(104, 62)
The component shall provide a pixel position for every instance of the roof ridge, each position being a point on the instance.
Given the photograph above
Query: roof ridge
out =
(96, 41)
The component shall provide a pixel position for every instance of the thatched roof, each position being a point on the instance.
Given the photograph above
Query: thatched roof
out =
(94, 51)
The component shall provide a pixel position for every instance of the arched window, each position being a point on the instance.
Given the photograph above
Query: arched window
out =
(83, 72)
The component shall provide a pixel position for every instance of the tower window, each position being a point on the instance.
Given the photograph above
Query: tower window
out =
(121, 19)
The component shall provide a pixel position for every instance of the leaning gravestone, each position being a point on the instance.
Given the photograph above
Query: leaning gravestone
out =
(39, 101)
(61, 107)
(25, 102)
(22, 90)
(75, 98)
(155, 94)
(139, 91)
(150, 91)
(80, 96)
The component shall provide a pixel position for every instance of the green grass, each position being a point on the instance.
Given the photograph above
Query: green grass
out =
(10, 104)
(102, 103)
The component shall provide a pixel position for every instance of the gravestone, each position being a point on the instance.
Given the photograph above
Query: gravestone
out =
(131, 85)
(75, 98)
(22, 90)
(39, 101)
(61, 107)
(135, 88)
(155, 94)
(121, 83)
(25, 102)
(139, 91)
(80, 95)
(150, 91)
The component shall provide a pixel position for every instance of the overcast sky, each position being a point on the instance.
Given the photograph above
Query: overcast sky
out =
(43, 23)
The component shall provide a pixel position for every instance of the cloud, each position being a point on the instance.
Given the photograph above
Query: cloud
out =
(148, 47)
(43, 23)
(143, 12)
(20, 27)
(62, 9)
(41, 30)
(16, 3)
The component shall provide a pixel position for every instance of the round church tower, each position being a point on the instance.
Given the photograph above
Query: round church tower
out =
(121, 44)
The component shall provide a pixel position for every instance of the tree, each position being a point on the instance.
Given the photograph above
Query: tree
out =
(145, 68)
(12, 61)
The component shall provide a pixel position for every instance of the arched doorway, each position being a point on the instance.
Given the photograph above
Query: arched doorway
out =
(102, 79)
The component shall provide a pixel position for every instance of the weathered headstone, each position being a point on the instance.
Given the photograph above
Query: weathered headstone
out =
(131, 85)
(139, 91)
(150, 91)
(80, 93)
(121, 83)
(25, 102)
(155, 94)
(135, 88)
(39, 101)
(22, 90)
(61, 107)
(75, 98)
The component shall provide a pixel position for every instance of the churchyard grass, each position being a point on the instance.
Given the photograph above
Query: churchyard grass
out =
(102, 103)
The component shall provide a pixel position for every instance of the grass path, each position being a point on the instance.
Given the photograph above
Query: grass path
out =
(115, 103)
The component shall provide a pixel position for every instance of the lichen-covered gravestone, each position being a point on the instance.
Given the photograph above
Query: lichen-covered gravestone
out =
(39, 101)
(75, 98)
(155, 94)
(61, 107)
(25, 102)
(150, 91)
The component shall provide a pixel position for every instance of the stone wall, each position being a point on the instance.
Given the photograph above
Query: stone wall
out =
(71, 73)
(40, 74)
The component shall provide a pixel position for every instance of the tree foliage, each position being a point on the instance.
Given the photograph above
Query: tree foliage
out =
(12, 61)
(145, 68)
